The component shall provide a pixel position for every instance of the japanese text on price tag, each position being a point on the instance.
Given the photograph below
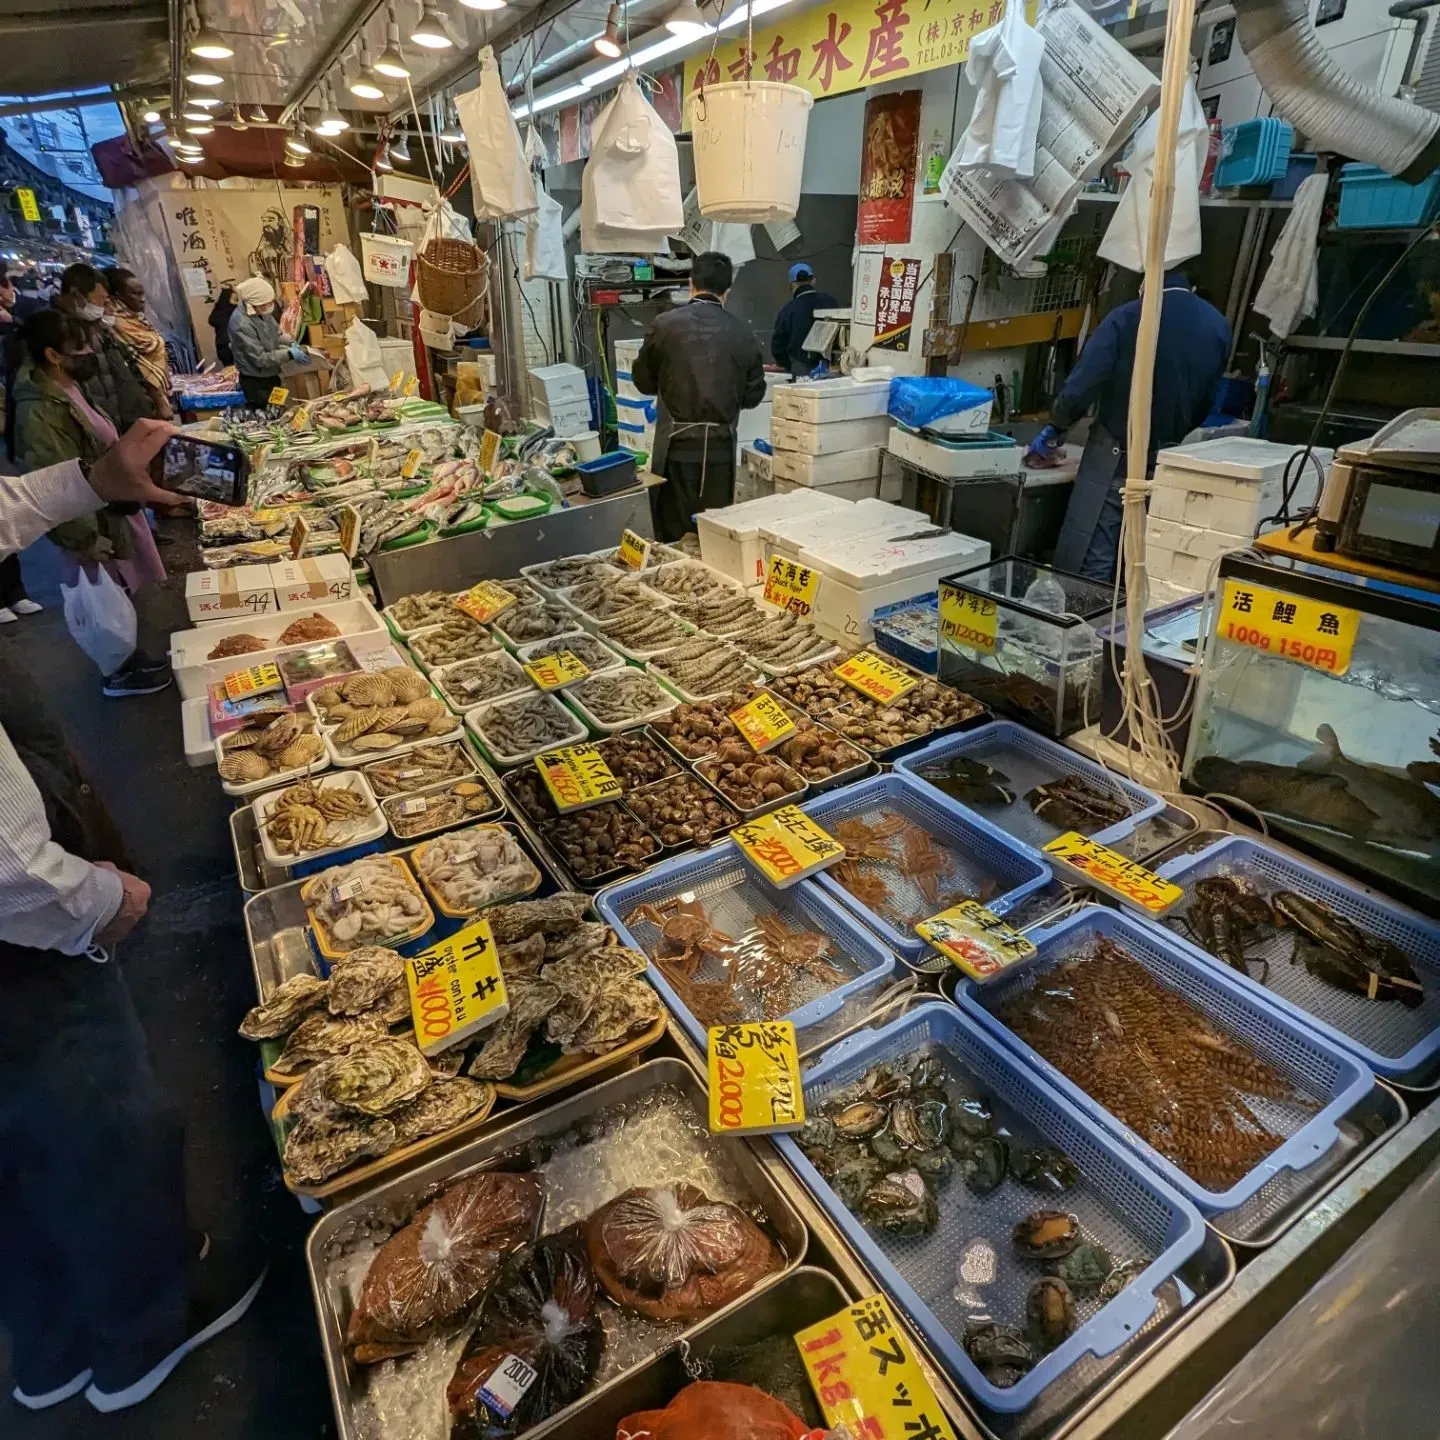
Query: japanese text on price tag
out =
(1310, 632)
(257, 680)
(489, 450)
(411, 464)
(279, 395)
(763, 723)
(299, 534)
(634, 550)
(975, 939)
(347, 518)
(483, 602)
(456, 988)
(577, 776)
(755, 1078)
(967, 619)
(877, 678)
(787, 845)
(1107, 869)
(552, 672)
(791, 586)
(866, 1377)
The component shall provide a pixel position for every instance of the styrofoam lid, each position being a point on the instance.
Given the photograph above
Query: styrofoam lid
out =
(865, 517)
(1237, 457)
(869, 561)
(838, 385)
(742, 521)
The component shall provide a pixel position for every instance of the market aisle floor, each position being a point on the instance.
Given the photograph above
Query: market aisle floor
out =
(190, 975)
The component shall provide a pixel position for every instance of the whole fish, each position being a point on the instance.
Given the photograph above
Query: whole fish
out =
(1408, 815)
(1282, 790)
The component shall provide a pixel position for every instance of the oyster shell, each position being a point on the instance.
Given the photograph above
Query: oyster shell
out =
(405, 684)
(241, 768)
(303, 750)
(322, 1145)
(318, 1037)
(523, 918)
(587, 980)
(442, 1105)
(369, 690)
(364, 978)
(289, 1002)
(357, 724)
(530, 1002)
(377, 1078)
(523, 958)
(623, 1008)
(577, 940)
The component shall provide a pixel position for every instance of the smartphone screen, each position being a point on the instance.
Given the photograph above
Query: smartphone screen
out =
(205, 470)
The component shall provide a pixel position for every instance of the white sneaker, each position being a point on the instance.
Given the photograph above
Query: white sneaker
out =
(52, 1397)
(7, 615)
(27, 607)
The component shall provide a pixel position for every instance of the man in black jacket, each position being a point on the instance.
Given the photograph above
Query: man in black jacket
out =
(705, 366)
(797, 315)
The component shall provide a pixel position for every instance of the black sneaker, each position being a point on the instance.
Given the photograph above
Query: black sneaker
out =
(137, 681)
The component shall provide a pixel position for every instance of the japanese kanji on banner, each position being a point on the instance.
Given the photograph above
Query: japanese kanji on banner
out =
(887, 168)
(895, 303)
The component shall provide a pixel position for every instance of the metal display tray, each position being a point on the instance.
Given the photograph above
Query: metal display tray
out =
(391, 1204)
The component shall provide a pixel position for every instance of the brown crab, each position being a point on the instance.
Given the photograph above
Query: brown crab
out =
(869, 889)
(924, 862)
(686, 936)
(805, 949)
(869, 842)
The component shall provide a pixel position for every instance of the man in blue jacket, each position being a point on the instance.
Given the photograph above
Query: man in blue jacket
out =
(1190, 357)
(792, 324)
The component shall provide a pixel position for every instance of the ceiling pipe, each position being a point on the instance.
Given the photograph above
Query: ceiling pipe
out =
(176, 11)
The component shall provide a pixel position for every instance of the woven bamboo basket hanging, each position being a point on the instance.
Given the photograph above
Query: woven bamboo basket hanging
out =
(452, 279)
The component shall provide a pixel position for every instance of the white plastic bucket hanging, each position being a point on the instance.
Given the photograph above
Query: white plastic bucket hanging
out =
(749, 141)
(387, 259)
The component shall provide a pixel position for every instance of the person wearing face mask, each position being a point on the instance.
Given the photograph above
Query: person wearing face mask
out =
(117, 388)
(256, 341)
(54, 423)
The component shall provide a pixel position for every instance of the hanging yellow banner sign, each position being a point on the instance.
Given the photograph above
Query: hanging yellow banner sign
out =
(830, 49)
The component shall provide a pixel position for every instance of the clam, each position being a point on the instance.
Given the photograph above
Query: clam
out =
(982, 1164)
(862, 1118)
(1046, 1235)
(1085, 1269)
(1050, 1312)
(902, 1204)
(1042, 1168)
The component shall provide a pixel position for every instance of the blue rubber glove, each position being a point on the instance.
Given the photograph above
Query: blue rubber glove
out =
(297, 353)
(1045, 444)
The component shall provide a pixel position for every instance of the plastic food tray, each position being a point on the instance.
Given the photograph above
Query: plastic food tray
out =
(722, 582)
(858, 771)
(980, 852)
(278, 777)
(427, 665)
(685, 847)
(557, 643)
(574, 698)
(647, 597)
(457, 700)
(1395, 1042)
(453, 912)
(1029, 760)
(537, 575)
(790, 797)
(1120, 1204)
(390, 807)
(734, 895)
(656, 666)
(402, 747)
(360, 831)
(590, 884)
(475, 722)
(564, 622)
(468, 774)
(1319, 1070)
(793, 667)
(397, 629)
(330, 951)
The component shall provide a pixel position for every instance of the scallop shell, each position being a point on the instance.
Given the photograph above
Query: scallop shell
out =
(327, 696)
(405, 684)
(368, 690)
(390, 715)
(240, 740)
(441, 725)
(376, 740)
(407, 726)
(302, 751)
(356, 725)
(334, 714)
(244, 767)
(427, 708)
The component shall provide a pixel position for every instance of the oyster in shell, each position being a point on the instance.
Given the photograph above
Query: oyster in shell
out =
(322, 1145)
(588, 935)
(357, 724)
(530, 1002)
(583, 979)
(523, 918)
(525, 957)
(376, 1079)
(289, 1002)
(318, 1037)
(363, 979)
(405, 684)
(623, 1008)
(442, 1105)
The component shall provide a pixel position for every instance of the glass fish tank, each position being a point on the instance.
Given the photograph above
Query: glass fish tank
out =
(1021, 638)
(1318, 708)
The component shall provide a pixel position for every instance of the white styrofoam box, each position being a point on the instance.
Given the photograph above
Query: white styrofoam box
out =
(627, 389)
(1189, 573)
(892, 486)
(1231, 484)
(195, 731)
(625, 353)
(398, 357)
(953, 461)
(1237, 457)
(757, 462)
(829, 438)
(641, 411)
(973, 420)
(238, 590)
(826, 401)
(315, 580)
(730, 538)
(566, 419)
(357, 621)
(844, 489)
(554, 385)
(1192, 540)
(788, 535)
(828, 470)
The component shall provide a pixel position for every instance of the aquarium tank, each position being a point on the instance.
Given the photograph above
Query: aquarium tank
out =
(1318, 709)
(1020, 637)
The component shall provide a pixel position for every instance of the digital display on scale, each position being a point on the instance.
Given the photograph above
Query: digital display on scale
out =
(1401, 516)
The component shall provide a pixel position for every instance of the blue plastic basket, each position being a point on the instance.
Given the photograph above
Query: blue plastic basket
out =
(1396, 1043)
(898, 641)
(1372, 199)
(979, 852)
(1120, 1204)
(1317, 1069)
(1029, 760)
(727, 885)
(1254, 152)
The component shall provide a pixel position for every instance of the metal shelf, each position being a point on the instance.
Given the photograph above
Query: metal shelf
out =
(1364, 347)
(1218, 202)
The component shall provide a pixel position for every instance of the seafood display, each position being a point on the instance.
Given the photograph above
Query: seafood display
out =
(699, 729)
(419, 769)
(430, 607)
(817, 689)
(472, 682)
(458, 638)
(605, 596)
(426, 811)
(525, 622)
(241, 644)
(1074, 802)
(721, 611)
(818, 754)
(929, 707)
(322, 814)
(601, 840)
(704, 667)
(269, 747)
(784, 640)
(307, 629)
(900, 871)
(645, 629)
(470, 869)
(586, 648)
(659, 555)
(569, 571)
(971, 782)
(684, 580)
(1197, 1094)
(635, 761)
(366, 729)
(526, 789)
(683, 811)
(622, 697)
(363, 995)
(514, 729)
(371, 901)
(749, 781)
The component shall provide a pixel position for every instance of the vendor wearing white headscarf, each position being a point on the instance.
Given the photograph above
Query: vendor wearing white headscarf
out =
(256, 343)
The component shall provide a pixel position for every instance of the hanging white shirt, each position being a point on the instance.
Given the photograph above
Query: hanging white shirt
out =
(1004, 64)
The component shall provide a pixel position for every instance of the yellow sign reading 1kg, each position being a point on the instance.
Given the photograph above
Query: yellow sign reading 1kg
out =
(755, 1079)
(577, 776)
(456, 988)
(483, 602)
(1107, 869)
(975, 939)
(1311, 632)
(763, 723)
(554, 672)
(791, 587)
(786, 845)
(967, 619)
(876, 678)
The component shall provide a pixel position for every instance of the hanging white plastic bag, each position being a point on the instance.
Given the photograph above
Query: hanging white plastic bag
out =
(364, 357)
(347, 280)
(631, 185)
(1004, 65)
(734, 241)
(545, 238)
(100, 618)
(499, 173)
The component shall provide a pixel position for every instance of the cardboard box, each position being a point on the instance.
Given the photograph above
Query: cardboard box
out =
(829, 438)
(231, 593)
(826, 401)
(311, 581)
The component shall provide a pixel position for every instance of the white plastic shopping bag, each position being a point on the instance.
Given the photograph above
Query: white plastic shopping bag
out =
(347, 279)
(364, 357)
(1004, 66)
(545, 238)
(499, 172)
(100, 618)
(630, 191)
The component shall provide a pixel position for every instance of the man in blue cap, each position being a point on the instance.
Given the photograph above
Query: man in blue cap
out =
(792, 324)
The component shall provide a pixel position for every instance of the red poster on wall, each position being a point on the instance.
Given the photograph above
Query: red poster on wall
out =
(570, 134)
(887, 167)
(895, 303)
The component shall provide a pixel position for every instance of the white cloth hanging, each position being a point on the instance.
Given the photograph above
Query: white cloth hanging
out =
(499, 172)
(1124, 242)
(630, 191)
(1004, 64)
(545, 238)
(1291, 288)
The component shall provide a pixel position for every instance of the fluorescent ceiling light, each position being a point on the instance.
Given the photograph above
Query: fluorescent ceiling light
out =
(430, 30)
(207, 102)
(199, 129)
(210, 45)
(390, 62)
(757, 8)
(549, 102)
(202, 74)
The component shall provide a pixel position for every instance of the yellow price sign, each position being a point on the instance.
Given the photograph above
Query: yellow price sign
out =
(763, 723)
(554, 672)
(301, 418)
(876, 678)
(1109, 870)
(787, 845)
(1310, 632)
(754, 1073)
(791, 586)
(576, 777)
(411, 464)
(867, 1378)
(412, 386)
(279, 395)
(489, 450)
(968, 619)
(634, 550)
(347, 520)
(483, 602)
(975, 939)
(257, 680)
(29, 207)
(396, 381)
(456, 988)
(299, 534)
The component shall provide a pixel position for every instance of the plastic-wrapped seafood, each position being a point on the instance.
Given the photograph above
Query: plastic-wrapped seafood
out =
(635, 761)
(721, 611)
(784, 640)
(683, 811)
(370, 901)
(588, 649)
(472, 682)
(430, 607)
(606, 596)
(686, 580)
(526, 622)
(456, 638)
(419, 769)
(411, 816)
(644, 629)
(470, 869)
(620, 697)
(526, 725)
(704, 667)
(601, 840)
